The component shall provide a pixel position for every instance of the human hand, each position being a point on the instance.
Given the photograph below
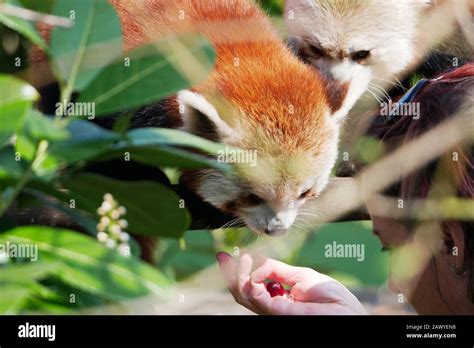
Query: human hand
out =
(311, 292)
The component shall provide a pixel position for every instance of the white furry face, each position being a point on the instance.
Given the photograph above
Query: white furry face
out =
(354, 41)
(267, 197)
(266, 194)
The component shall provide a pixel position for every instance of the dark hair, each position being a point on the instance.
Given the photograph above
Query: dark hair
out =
(439, 99)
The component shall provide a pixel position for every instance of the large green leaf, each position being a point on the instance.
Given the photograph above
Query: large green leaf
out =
(39, 126)
(21, 273)
(87, 141)
(26, 144)
(154, 72)
(166, 156)
(198, 254)
(44, 6)
(354, 234)
(80, 52)
(13, 297)
(24, 27)
(89, 265)
(9, 168)
(165, 136)
(16, 99)
(152, 209)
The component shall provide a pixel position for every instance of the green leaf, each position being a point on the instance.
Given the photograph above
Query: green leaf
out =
(358, 234)
(25, 146)
(21, 273)
(199, 254)
(9, 168)
(12, 298)
(22, 26)
(79, 53)
(165, 136)
(44, 6)
(16, 98)
(39, 126)
(166, 157)
(87, 141)
(154, 72)
(122, 123)
(89, 265)
(152, 209)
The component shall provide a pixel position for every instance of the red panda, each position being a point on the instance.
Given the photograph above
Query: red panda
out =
(259, 97)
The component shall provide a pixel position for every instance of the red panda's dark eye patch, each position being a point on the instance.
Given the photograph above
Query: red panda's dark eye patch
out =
(315, 51)
(305, 194)
(253, 199)
(360, 55)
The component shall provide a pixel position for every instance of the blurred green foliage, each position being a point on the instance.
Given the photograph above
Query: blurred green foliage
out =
(44, 158)
(272, 7)
(372, 269)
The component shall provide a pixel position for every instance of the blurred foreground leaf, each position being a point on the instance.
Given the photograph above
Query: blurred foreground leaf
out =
(150, 73)
(316, 252)
(24, 27)
(89, 265)
(79, 53)
(16, 98)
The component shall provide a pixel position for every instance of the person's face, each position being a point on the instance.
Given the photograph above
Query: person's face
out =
(420, 267)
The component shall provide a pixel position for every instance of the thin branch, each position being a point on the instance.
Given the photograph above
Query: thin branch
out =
(33, 16)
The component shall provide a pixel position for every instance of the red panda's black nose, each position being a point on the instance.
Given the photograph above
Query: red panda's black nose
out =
(274, 231)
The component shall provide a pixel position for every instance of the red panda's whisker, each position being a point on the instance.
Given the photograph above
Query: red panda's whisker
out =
(380, 90)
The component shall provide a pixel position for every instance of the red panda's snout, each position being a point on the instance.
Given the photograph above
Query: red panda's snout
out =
(268, 197)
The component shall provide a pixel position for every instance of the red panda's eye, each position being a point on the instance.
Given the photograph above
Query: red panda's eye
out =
(305, 194)
(254, 199)
(315, 51)
(360, 55)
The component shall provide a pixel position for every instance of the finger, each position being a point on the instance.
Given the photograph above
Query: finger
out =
(243, 275)
(265, 304)
(277, 271)
(228, 267)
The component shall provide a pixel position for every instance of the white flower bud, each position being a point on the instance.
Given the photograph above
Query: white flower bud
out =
(108, 198)
(115, 230)
(124, 249)
(114, 214)
(102, 237)
(110, 243)
(124, 237)
(123, 223)
(104, 220)
(106, 206)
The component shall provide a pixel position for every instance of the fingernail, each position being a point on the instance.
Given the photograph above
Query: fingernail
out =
(223, 256)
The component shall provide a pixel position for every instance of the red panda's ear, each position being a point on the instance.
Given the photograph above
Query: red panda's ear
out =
(201, 117)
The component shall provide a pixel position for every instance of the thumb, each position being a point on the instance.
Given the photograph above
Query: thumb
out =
(228, 267)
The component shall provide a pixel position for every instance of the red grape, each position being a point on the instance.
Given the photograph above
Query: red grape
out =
(275, 289)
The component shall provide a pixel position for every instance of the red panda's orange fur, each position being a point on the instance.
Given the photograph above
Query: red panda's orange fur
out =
(270, 87)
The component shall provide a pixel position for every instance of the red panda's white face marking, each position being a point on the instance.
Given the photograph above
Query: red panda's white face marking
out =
(268, 193)
(354, 42)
